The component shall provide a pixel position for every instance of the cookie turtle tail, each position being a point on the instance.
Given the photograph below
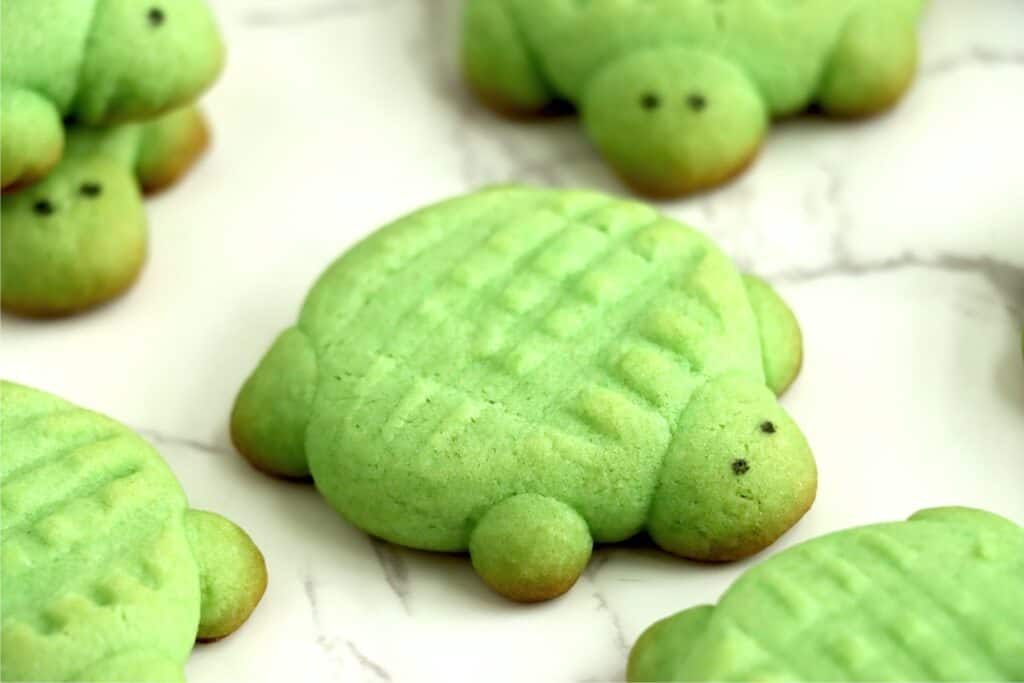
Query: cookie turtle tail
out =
(268, 421)
(782, 349)
(232, 573)
(664, 647)
(168, 147)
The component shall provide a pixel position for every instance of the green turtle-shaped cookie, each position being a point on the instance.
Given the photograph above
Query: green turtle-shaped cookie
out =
(677, 94)
(77, 238)
(521, 373)
(108, 575)
(99, 62)
(937, 598)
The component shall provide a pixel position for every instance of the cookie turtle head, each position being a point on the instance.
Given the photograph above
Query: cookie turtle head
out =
(145, 57)
(672, 120)
(73, 240)
(738, 474)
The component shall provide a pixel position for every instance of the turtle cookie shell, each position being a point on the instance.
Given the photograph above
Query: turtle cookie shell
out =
(521, 373)
(937, 598)
(107, 573)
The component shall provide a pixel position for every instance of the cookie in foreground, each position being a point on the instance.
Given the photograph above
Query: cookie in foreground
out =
(521, 373)
(99, 63)
(77, 238)
(107, 573)
(937, 598)
(677, 95)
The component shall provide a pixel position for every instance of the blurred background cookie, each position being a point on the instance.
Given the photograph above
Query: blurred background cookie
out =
(97, 63)
(935, 598)
(77, 238)
(678, 95)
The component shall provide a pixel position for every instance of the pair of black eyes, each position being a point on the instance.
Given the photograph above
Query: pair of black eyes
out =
(740, 466)
(156, 16)
(44, 207)
(694, 101)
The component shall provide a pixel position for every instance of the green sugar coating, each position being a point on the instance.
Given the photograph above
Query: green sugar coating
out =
(77, 238)
(107, 574)
(936, 598)
(598, 364)
(677, 94)
(99, 62)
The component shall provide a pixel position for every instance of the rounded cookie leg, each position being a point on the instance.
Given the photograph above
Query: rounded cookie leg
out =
(874, 60)
(268, 422)
(129, 667)
(782, 348)
(31, 136)
(530, 547)
(168, 146)
(497, 63)
(232, 573)
(664, 646)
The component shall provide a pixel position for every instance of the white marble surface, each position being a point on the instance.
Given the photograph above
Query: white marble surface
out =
(898, 240)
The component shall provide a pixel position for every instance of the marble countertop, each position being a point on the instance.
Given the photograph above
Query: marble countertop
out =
(898, 240)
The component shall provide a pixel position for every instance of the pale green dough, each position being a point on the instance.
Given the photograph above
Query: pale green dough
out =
(937, 598)
(106, 573)
(99, 63)
(521, 373)
(677, 94)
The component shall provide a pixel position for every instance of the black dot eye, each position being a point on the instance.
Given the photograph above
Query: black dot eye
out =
(696, 101)
(650, 101)
(768, 427)
(90, 189)
(740, 466)
(156, 16)
(44, 207)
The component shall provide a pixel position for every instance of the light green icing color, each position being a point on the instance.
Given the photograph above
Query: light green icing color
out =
(100, 62)
(937, 598)
(77, 238)
(677, 94)
(100, 578)
(586, 351)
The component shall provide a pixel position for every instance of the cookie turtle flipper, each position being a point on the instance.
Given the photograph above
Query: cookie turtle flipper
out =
(137, 665)
(168, 146)
(497, 63)
(73, 240)
(232, 573)
(874, 60)
(782, 347)
(530, 547)
(664, 646)
(31, 136)
(268, 422)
